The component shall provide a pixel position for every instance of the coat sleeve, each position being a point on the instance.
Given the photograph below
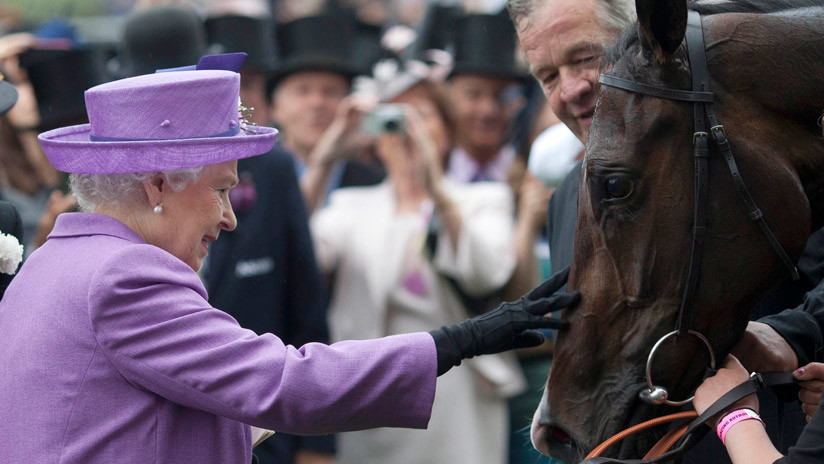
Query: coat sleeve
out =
(484, 258)
(810, 446)
(150, 317)
(803, 327)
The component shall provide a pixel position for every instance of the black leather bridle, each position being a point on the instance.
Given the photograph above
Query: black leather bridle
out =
(702, 99)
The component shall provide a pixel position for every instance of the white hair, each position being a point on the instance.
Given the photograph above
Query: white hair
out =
(616, 14)
(612, 14)
(121, 191)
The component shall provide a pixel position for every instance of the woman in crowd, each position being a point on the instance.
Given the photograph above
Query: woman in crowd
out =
(27, 180)
(110, 350)
(402, 254)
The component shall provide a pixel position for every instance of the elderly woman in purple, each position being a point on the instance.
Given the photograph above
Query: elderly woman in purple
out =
(108, 347)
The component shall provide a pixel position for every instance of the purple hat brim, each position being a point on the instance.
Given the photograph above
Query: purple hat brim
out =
(70, 149)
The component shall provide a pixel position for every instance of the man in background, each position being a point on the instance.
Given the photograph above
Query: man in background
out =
(308, 94)
(264, 272)
(485, 85)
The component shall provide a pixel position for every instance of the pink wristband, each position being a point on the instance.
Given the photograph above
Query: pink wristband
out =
(739, 415)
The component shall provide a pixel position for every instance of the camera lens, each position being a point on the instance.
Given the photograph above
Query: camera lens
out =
(391, 125)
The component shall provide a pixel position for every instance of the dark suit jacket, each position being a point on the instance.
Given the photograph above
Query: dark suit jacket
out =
(561, 218)
(803, 326)
(265, 275)
(11, 224)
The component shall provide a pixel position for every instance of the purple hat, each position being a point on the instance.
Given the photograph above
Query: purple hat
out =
(157, 122)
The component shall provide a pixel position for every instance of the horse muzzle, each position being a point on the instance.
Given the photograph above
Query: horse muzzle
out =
(549, 438)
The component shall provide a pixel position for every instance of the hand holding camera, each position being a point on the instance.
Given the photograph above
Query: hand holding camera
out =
(402, 132)
(385, 118)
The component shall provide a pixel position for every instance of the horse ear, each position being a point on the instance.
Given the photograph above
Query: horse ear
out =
(663, 23)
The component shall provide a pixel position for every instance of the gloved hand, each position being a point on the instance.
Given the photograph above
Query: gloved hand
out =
(509, 326)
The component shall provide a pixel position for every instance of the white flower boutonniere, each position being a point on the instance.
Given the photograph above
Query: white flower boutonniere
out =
(11, 253)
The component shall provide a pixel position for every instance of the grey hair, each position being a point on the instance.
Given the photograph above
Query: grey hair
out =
(616, 14)
(612, 14)
(120, 191)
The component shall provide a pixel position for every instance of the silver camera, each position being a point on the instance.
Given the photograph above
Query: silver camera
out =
(385, 118)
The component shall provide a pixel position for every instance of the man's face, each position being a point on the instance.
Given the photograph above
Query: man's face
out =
(304, 105)
(482, 112)
(563, 42)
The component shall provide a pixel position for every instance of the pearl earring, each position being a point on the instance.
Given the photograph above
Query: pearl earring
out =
(158, 209)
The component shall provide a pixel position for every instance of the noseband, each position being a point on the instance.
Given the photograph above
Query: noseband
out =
(702, 99)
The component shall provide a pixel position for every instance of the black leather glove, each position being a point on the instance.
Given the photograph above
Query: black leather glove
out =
(509, 326)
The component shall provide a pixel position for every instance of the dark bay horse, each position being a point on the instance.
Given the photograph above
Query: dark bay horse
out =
(634, 232)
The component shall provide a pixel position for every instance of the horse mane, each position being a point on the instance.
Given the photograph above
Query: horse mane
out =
(711, 7)
(630, 35)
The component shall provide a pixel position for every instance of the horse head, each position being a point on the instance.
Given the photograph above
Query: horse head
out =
(634, 231)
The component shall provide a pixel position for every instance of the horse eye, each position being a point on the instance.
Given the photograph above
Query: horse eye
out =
(618, 188)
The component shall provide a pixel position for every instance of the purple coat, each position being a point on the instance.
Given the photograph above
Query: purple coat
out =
(109, 352)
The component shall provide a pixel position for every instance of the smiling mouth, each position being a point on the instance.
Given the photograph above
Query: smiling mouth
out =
(205, 241)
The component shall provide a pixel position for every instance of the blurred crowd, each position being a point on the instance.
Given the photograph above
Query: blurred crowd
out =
(408, 188)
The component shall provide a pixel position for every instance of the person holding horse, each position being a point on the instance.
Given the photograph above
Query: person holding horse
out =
(740, 428)
(109, 346)
(745, 439)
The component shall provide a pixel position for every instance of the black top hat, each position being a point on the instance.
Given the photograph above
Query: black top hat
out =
(255, 36)
(60, 78)
(485, 44)
(317, 43)
(436, 30)
(367, 49)
(161, 38)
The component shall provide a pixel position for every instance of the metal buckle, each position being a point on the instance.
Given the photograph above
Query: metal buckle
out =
(659, 395)
(716, 130)
(699, 134)
(759, 381)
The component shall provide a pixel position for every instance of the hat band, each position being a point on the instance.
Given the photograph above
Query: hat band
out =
(227, 133)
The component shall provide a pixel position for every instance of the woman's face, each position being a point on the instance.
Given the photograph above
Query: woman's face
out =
(419, 98)
(192, 218)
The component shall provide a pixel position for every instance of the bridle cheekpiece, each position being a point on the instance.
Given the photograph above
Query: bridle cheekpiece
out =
(702, 99)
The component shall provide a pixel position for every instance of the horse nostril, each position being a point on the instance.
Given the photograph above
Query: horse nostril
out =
(559, 435)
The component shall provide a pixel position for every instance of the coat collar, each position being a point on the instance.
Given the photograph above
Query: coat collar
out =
(84, 224)
(463, 168)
